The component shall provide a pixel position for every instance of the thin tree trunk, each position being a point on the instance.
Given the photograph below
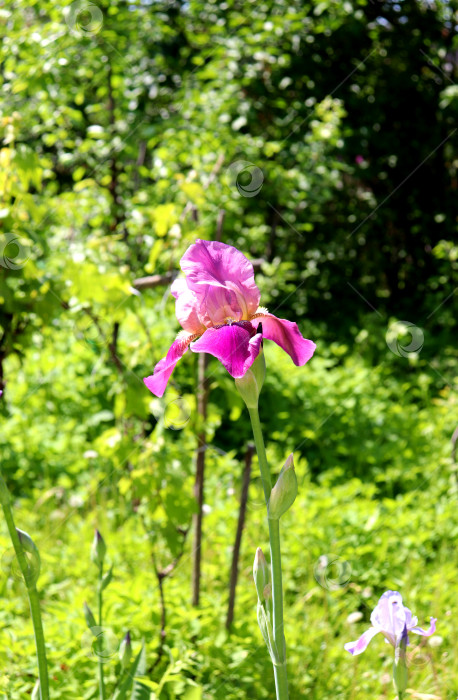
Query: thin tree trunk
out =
(220, 224)
(239, 532)
(202, 400)
(116, 213)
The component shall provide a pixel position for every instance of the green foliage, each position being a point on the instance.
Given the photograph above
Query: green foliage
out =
(384, 543)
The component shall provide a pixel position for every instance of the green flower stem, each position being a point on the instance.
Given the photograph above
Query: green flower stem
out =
(100, 637)
(281, 679)
(34, 600)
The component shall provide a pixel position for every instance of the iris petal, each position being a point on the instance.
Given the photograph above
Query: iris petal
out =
(222, 279)
(425, 633)
(235, 346)
(389, 614)
(186, 307)
(157, 381)
(287, 335)
(360, 645)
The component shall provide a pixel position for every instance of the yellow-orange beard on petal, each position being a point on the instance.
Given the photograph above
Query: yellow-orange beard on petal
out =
(262, 311)
(186, 337)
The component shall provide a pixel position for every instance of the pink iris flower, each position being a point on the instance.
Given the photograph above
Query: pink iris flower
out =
(217, 305)
(393, 620)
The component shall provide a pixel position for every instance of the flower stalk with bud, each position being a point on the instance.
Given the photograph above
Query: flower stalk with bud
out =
(125, 651)
(30, 569)
(98, 552)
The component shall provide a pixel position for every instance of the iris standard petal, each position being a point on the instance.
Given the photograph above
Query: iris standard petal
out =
(360, 645)
(389, 615)
(157, 381)
(186, 307)
(235, 346)
(287, 335)
(213, 269)
(411, 620)
(425, 633)
(216, 305)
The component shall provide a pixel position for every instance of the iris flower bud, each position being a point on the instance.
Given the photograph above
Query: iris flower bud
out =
(33, 560)
(284, 492)
(98, 550)
(125, 650)
(249, 386)
(260, 573)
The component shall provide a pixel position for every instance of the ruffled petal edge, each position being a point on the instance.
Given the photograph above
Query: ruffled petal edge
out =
(425, 633)
(287, 335)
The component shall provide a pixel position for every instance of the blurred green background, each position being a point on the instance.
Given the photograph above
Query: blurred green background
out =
(320, 139)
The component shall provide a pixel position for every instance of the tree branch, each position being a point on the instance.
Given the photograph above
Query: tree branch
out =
(162, 280)
(238, 536)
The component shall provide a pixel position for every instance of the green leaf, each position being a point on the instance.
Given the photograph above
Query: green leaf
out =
(137, 668)
(106, 580)
(140, 691)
